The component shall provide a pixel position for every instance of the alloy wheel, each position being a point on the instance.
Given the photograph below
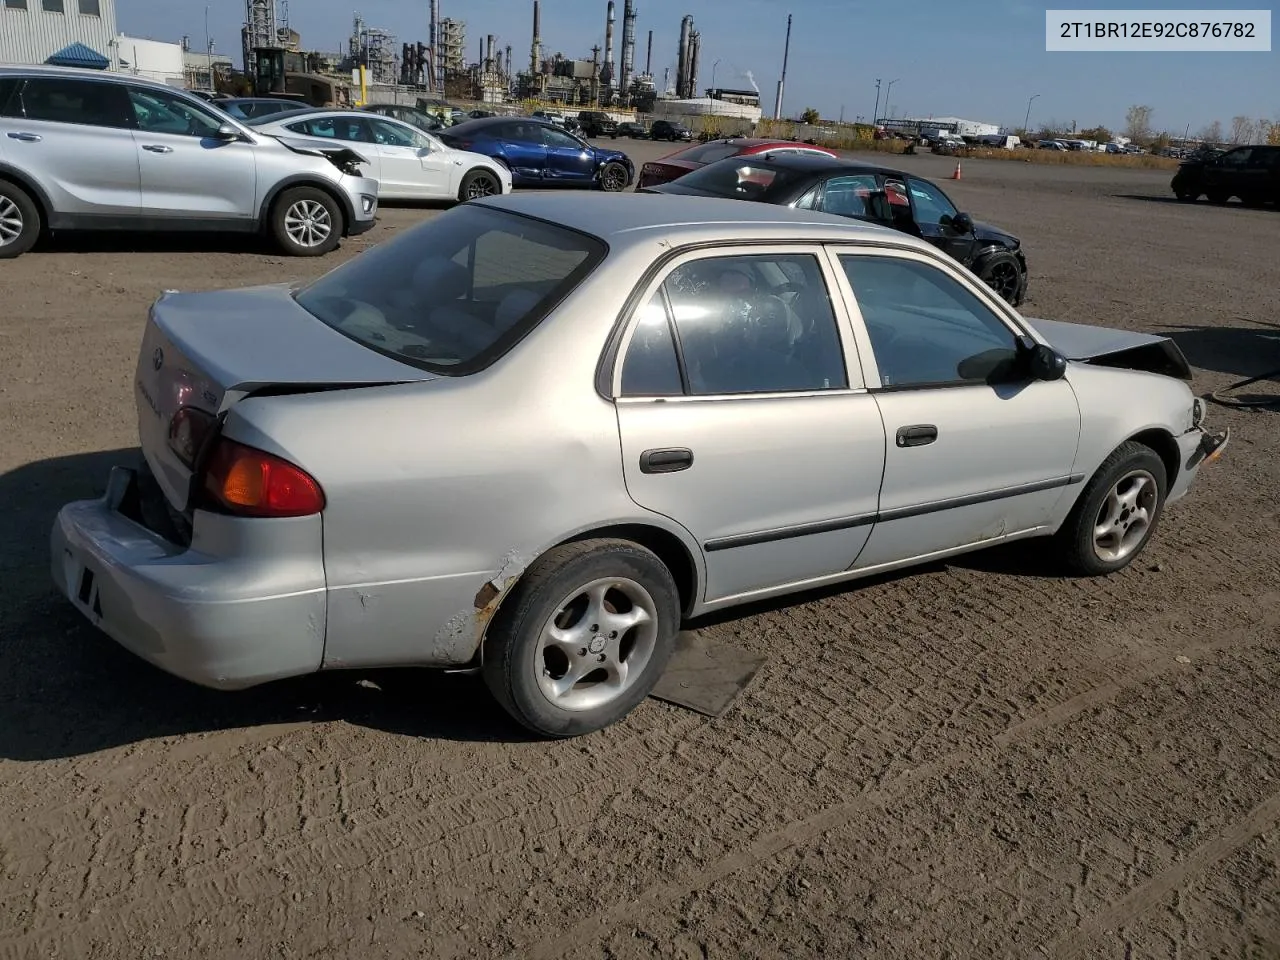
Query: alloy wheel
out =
(308, 223)
(597, 644)
(481, 186)
(1125, 516)
(1003, 279)
(11, 222)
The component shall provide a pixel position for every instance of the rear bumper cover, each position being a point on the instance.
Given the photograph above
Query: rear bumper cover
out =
(244, 604)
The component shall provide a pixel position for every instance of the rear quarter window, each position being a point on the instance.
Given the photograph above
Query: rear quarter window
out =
(455, 293)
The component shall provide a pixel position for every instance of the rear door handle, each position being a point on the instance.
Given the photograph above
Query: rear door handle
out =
(157, 148)
(917, 435)
(26, 137)
(668, 460)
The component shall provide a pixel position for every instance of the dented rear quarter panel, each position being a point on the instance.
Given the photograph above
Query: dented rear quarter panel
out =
(440, 494)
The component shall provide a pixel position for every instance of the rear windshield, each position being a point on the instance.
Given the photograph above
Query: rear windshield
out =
(708, 153)
(455, 293)
(740, 179)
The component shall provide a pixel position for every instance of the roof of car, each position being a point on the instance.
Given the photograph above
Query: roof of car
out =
(627, 218)
(82, 73)
(817, 163)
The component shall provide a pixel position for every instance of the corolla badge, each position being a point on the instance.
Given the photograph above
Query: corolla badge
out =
(157, 359)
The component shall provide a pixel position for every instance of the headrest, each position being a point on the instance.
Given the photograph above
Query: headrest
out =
(513, 307)
(440, 280)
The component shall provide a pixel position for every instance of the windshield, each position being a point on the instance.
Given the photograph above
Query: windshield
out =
(740, 179)
(457, 292)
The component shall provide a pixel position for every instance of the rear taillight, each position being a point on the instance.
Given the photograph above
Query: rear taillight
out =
(248, 482)
(187, 432)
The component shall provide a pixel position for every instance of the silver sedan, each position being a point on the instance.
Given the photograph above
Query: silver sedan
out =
(531, 436)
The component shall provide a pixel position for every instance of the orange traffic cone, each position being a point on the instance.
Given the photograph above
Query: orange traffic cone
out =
(956, 175)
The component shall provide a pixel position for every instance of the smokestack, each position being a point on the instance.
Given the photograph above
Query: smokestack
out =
(507, 71)
(431, 42)
(648, 57)
(608, 41)
(782, 82)
(695, 46)
(488, 54)
(628, 45)
(682, 55)
(535, 50)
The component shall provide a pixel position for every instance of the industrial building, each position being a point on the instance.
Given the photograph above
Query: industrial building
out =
(956, 125)
(152, 60)
(37, 31)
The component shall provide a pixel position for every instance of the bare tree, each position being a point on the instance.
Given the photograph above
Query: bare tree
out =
(1241, 129)
(1137, 122)
(1212, 133)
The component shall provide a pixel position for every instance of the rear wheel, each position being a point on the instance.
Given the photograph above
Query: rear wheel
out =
(19, 221)
(1186, 196)
(306, 222)
(479, 183)
(583, 637)
(613, 177)
(1217, 196)
(1002, 272)
(1117, 513)
(1253, 200)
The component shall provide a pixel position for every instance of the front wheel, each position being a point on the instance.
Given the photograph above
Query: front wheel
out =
(1117, 513)
(613, 177)
(583, 637)
(1218, 196)
(479, 183)
(1001, 271)
(306, 222)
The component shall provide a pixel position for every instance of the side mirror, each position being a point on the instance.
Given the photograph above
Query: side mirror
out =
(1043, 362)
(962, 223)
(227, 132)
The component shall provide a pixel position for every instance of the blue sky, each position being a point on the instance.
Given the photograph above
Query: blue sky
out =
(978, 60)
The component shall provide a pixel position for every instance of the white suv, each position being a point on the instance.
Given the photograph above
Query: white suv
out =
(81, 150)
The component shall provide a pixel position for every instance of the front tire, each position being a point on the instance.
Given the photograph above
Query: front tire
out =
(479, 183)
(19, 221)
(1001, 271)
(613, 177)
(306, 222)
(583, 637)
(1117, 514)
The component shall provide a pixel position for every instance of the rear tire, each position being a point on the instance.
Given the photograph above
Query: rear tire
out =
(613, 177)
(603, 611)
(1117, 514)
(306, 222)
(19, 221)
(479, 183)
(1218, 197)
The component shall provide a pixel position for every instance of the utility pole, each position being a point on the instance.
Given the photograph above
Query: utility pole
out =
(782, 82)
(876, 112)
(1027, 120)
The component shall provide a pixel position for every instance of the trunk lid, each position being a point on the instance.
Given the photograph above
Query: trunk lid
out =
(211, 350)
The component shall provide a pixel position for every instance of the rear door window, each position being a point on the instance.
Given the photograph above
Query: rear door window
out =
(82, 102)
(849, 196)
(453, 294)
(8, 87)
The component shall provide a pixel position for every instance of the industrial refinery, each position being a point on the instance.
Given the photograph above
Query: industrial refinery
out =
(448, 64)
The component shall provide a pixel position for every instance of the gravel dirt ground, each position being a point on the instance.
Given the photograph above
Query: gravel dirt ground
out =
(976, 759)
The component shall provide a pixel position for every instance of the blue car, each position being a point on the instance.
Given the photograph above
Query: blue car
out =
(541, 154)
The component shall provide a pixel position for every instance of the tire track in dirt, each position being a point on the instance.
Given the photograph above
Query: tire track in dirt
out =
(1082, 942)
(804, 831)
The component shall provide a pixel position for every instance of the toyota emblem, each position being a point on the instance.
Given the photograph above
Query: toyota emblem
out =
(157, 359)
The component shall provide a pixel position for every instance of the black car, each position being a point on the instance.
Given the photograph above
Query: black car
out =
(1251, 173)
(594, 123)
(866, 192)
(633, 130)
(670, 130)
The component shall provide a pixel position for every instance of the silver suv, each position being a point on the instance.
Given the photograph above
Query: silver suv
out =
(83, 150)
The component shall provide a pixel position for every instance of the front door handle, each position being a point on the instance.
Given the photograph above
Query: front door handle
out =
(157, 148)
(26, 137)
(917, 435)
(668, 460)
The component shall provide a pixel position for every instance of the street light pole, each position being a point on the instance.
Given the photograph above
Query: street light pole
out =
(888, 92)
(876, 112)
(713, 74)
(1027, 119)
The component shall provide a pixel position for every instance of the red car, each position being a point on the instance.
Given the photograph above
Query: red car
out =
(699, 155)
